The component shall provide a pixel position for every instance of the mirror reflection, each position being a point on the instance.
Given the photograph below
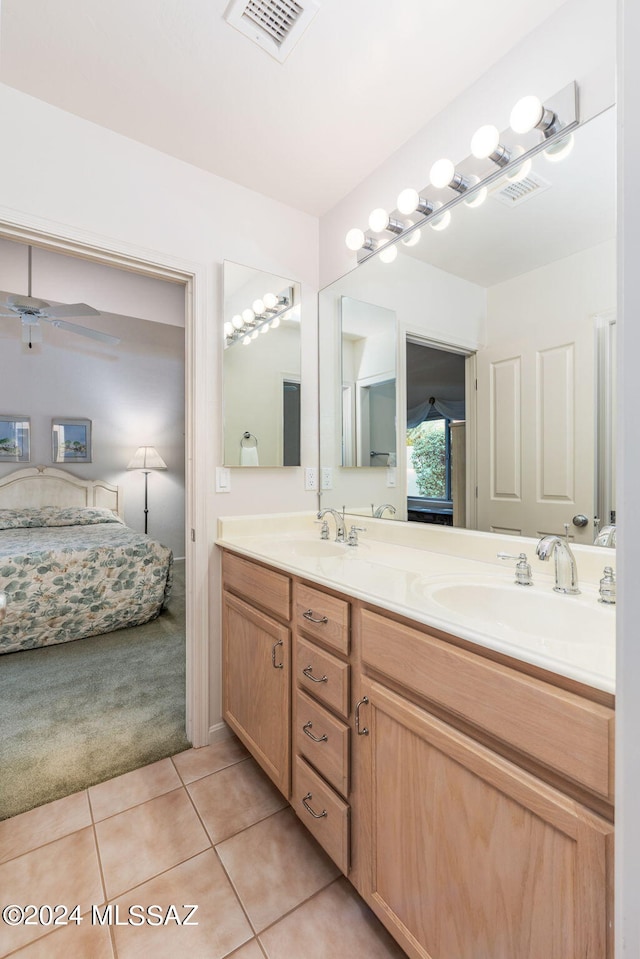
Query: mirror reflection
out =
(261, 368)
(503, 388)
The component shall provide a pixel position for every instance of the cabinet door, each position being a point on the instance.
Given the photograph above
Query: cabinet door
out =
(256, 686)
(466, 856)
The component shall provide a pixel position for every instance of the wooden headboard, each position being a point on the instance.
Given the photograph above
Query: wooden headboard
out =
(47, 486)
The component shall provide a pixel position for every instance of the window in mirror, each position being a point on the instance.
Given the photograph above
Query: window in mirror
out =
(261, 368)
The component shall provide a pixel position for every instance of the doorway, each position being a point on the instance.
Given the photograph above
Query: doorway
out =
(193, 278)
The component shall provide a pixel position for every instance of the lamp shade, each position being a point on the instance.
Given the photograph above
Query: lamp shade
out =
(146, 458)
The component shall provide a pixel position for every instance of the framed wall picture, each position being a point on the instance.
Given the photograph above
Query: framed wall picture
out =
(71, 440)
(15, 439)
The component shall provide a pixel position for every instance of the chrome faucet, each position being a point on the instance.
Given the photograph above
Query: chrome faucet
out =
(340, 528)
(606, 536)
(566, 568)
(380, 510)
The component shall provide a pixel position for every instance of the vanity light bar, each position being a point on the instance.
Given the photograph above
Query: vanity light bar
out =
(509, 154)
(258, 318)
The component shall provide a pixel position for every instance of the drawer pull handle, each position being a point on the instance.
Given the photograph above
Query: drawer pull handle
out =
(273, 656)
(309, 615)
(316, 739)
(307, 672)
(316, 815)
(363, 702)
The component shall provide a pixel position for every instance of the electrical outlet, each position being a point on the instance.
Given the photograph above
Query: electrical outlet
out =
(310, 478)
(391, 476)
(326, 478)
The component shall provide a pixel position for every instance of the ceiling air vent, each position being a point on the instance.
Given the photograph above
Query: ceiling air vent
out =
(512, 194)
(275, 25)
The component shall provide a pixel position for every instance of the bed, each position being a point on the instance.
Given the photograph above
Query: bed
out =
(69, 566)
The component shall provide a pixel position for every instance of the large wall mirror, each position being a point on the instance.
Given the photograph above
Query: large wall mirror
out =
(494, 339)
(261, 368)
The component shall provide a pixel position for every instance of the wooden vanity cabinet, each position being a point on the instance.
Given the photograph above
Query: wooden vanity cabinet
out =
(256, 664)
(463, 852)
(471, 805)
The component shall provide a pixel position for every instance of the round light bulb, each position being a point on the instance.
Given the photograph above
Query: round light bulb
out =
(265, 328)
(275, 322)
(441, 222)
(389, 254)
(526, 115)
(559, 150)
(408, 200)
(378, 220)
(478, 198)
(258, 307)
(228, 329)
(522, 171)
(485, 141)
(413, 238)
(246, 340)
(248, 315)
(270, 301)
(255, 334)
(442, 173)
(237, 321)
(354, 239)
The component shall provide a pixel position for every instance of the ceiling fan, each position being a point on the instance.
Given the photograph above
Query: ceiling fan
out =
(33, 312)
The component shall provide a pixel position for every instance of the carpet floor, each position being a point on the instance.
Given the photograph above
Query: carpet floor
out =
(79, 713)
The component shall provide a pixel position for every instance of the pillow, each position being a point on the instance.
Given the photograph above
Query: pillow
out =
(39, 516)
(20, 518)
(81, 516)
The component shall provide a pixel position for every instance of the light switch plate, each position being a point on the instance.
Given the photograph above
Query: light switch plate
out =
(223, 479)
(391, 476)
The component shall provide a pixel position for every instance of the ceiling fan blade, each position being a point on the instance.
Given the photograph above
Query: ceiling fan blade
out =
(71, 309)
(82, 330)
(16, 299)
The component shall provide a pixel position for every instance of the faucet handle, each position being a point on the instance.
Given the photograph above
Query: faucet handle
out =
(324, 528)
(353, 534)
(523, 569)
(608, 587)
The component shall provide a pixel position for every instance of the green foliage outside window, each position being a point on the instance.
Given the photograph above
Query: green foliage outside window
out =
(428, 458)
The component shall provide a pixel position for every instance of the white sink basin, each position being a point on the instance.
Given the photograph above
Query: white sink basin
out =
(526, 610)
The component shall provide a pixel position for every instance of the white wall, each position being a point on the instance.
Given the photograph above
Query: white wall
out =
(628, 461)
(121, 195)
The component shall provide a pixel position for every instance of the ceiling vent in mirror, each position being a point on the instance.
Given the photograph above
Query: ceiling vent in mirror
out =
(512, 194)
(275, 25)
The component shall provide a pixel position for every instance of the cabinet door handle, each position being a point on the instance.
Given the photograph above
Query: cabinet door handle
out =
(363, 702)
(316, 815)
(309, 615)
(316, 739)
(273, 655)
(307, 672)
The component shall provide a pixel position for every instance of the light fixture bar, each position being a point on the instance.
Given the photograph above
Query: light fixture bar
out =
(559, 111)
(284, 302)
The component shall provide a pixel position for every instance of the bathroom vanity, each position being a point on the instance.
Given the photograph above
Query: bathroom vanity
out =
(465, 789)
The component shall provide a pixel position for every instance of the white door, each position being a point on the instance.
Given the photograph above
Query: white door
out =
(536, 426)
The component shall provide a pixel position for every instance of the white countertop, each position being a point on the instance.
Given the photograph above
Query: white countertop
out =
(451, 580)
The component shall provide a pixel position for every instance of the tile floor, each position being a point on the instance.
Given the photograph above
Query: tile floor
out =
(204, 828)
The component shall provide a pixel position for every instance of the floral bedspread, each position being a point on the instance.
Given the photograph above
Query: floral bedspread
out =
(66, 582)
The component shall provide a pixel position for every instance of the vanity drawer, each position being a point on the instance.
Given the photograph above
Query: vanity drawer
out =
(262, 587)
(323, 616)
(325, 815)
(564, 731)
(323, 675)
(330, 755)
